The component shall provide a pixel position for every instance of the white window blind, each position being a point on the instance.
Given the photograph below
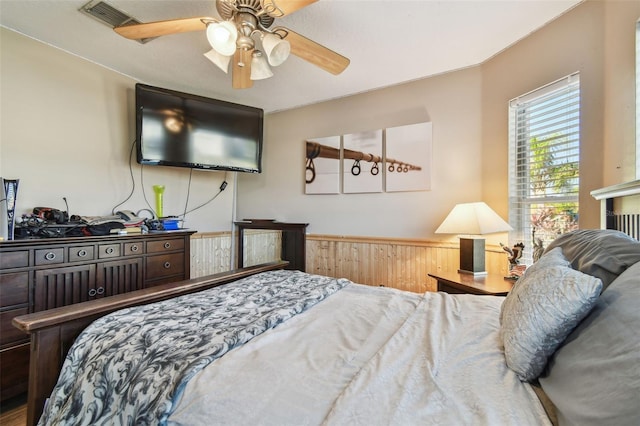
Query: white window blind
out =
(544, 155)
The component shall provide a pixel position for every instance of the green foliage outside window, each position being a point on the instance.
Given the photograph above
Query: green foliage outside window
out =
(549, 176)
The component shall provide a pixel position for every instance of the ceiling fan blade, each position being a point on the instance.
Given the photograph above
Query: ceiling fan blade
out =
(278, 8)
(241, 78)
(315, 53)
(160, 28)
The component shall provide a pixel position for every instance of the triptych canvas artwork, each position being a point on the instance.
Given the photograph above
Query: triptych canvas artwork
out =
(386, 160)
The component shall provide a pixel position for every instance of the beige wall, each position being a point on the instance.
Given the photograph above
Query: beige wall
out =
(619, 94)
(596, 39)
(451, 102)
(468, 109)
(66, 129)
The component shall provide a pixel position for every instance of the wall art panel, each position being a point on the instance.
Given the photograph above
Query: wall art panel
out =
(322, 173)
(362, 162)
(408, 158)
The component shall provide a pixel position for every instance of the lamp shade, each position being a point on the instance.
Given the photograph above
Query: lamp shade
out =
(219, 60)
(259, 66)
(276, 49)
(222, 36)
(473, 219)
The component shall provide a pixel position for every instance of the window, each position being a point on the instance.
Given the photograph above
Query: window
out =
(544, 154)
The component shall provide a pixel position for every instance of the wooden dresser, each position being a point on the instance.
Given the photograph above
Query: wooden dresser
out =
(39, 274)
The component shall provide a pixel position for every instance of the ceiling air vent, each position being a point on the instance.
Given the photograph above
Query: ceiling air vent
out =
(109, 15)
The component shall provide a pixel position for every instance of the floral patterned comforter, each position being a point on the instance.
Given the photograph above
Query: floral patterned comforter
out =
(130, 367)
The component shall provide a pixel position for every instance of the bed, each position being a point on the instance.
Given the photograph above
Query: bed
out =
(264, 345)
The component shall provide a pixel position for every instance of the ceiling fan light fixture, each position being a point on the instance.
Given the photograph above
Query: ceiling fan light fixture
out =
(222, 37)
(243, 26)
(276, 49)
(259, 66)
(221, 61)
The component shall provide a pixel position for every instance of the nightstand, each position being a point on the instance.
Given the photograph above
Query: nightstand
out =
(456, 283)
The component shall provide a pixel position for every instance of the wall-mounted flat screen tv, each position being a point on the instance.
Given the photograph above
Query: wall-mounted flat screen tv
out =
(184, 130)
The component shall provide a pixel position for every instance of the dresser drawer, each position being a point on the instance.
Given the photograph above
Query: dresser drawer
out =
(106, 251)
(165, 245)
(132, 249)
(14, 370)
(165, 265)
(81, 253)
(14, 259)
(14, 289)
(50, 256)
(9, 333)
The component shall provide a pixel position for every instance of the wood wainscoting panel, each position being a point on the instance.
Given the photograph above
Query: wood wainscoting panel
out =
(210, 253)
(391, 262)
(261, 246)
(398, 263)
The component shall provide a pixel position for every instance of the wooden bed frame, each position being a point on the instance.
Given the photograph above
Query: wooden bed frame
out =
(54, 331)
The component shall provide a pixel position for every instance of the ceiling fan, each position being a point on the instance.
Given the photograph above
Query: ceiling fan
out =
(244, 24)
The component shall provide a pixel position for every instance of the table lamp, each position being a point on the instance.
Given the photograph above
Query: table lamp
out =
(471, 219)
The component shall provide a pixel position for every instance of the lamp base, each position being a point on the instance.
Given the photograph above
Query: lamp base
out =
(472, 256)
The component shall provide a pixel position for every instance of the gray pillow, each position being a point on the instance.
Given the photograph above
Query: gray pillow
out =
(594, 378)
(603, 253)
(550, 258)
(543, 307)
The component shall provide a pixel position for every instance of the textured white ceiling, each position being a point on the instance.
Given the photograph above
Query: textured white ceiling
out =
(388, 42)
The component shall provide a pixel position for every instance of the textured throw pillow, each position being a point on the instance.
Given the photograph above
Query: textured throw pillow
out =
(544, 306)
(550, 258)
(603, 253)
(594, 378)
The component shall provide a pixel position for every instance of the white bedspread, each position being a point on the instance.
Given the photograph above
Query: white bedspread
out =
(369, 356)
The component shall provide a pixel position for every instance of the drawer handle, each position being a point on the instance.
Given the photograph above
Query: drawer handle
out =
(50, 256)
(134, 248)
(167, 245)
(82, 253)
(109, 250)
(167, 265)
(94, 291)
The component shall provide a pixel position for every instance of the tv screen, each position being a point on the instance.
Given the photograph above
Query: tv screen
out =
(184, 130)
